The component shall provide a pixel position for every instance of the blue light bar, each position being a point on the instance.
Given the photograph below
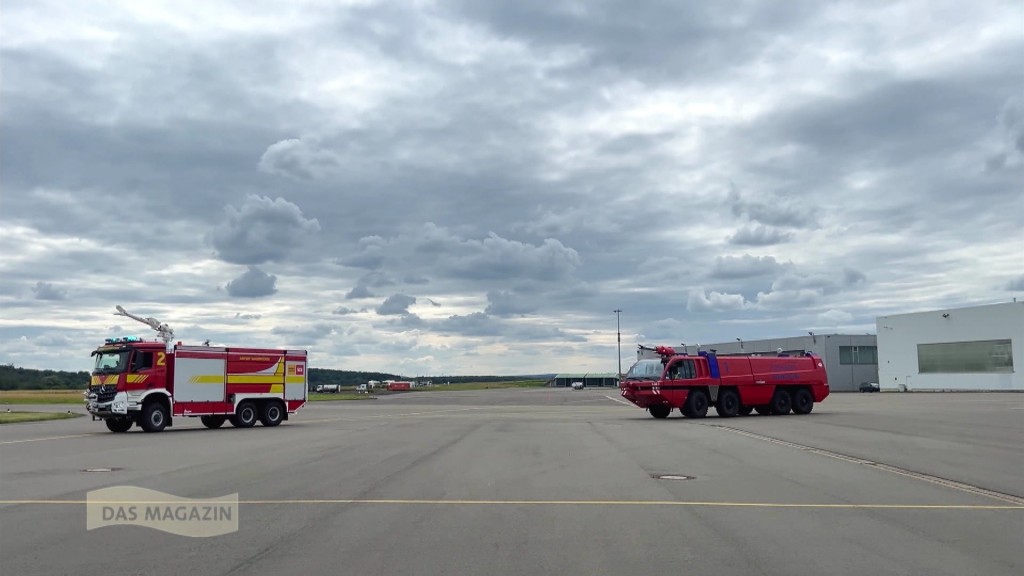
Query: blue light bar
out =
(122, 339)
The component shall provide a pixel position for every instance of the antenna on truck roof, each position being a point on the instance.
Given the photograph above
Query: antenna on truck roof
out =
(163, 330)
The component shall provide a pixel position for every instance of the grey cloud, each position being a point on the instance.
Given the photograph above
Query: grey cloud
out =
(345, 311)
(852, 277)
(370, 254)
(306, 335)
(253, 283)
(1016, 284)
(759, 236)
(358, 291)
(47, 291)
(261, 230)
(475, 324)
(745, 266)
(776, 212)
(411, 321)
(433, 302)
(490, 258)
(415, 280)
(702, 301)
(502, 303)
(247, 316)
(302, 159)
(396, 304)
(497, 258)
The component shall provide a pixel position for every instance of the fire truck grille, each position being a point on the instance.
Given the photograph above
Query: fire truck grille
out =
(104, 393)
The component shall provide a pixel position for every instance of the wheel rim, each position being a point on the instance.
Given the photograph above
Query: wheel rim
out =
(248, 414)
(156, 418)
(274, 413)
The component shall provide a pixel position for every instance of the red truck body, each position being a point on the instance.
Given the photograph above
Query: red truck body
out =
(399, 386)
(148, 383)
(734, 385)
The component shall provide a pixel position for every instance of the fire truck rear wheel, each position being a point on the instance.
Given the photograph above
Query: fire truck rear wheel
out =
(696, 404)
(245, 415)
(728, 403)
(154, 416)
(213, 422)
(782, 402)
(660, 411)
(803, 401)
(119, 424)
(272, 414)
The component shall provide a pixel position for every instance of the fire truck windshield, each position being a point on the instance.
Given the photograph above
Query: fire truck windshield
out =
(646, 370)
(111, 362)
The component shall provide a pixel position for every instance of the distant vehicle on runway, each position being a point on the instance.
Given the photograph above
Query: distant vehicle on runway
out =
(735, 385)
(149, 383)
(870, 387)
(328, 388)
(577, 385)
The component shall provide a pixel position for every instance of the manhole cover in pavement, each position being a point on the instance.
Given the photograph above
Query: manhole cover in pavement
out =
(100, 469)
(672, 477)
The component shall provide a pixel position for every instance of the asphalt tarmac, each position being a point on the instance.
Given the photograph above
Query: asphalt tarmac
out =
(539, 481)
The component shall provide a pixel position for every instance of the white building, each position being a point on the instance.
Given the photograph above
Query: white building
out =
(956, 349)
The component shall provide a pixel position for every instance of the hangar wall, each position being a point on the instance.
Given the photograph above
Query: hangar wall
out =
(974, 348)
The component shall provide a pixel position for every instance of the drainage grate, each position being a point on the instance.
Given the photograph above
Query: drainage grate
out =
(671, 477)
(100, 469)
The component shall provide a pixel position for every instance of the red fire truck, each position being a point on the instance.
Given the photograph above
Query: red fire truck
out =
(149, 383)
(734, 385)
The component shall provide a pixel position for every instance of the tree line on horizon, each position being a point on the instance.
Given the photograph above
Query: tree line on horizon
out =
(15, 378)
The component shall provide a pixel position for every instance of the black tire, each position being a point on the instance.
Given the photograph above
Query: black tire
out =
(728, 404)
(803, 401)
(763, 410)
(214, 421)
(696, 404)
(272, 414)
(119, 425)
(782, 402)
(245, 415)
(154, 416)
(745, 410)
(660, 410)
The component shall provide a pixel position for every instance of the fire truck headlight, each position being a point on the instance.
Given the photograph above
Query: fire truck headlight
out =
(120, 407)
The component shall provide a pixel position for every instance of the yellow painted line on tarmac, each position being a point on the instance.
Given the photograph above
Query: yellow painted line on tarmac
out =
(50, 438)
(638, 503)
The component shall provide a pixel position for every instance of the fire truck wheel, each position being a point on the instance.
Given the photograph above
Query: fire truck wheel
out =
(660, 410)
(763, 410)
(245, 415)
(782, 402)
(213, 422)
(696, 404)
(728, 403)
(119, 424)
(803, 401)
(746, 410)
(154, 417)
(272, 414)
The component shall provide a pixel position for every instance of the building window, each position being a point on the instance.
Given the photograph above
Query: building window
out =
(858, 354)
(965, 357)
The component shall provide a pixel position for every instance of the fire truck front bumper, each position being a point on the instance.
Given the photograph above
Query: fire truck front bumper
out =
(118, 406)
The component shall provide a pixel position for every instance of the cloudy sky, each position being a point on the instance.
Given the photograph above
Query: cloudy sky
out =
(468, 188)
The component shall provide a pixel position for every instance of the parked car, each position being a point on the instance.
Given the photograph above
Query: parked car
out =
(870, 387)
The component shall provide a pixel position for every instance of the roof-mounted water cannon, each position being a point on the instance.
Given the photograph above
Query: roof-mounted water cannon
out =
(163, 330)
(665, 352)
